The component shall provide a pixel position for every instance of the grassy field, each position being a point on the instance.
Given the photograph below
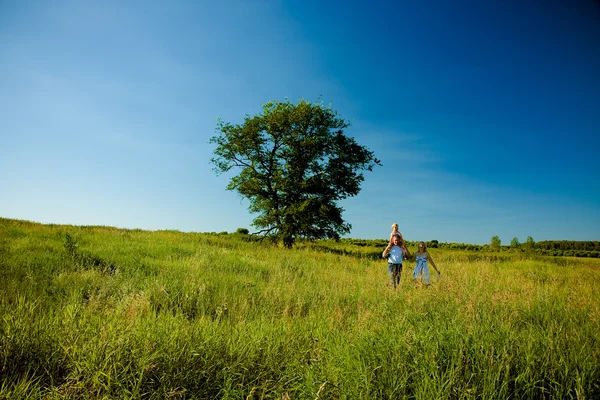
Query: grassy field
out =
(99, 312)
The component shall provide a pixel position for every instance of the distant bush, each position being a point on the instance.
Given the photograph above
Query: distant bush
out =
(242, 231)
(568, 245)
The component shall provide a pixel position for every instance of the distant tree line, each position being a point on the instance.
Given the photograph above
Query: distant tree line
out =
(568, 245)
(556, 248)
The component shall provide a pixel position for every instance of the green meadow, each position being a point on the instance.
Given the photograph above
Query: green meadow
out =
(106, 313)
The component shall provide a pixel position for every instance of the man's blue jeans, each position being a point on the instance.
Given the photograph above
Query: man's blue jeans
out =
(395, 271)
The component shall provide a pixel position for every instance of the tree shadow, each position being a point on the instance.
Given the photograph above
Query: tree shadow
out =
(369, 255)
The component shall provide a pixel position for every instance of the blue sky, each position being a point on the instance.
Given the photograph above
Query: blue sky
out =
(485, 115)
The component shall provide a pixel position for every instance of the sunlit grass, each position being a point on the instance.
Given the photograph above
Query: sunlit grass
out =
(115, 313)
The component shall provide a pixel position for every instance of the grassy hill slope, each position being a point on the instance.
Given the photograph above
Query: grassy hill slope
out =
(99, 312)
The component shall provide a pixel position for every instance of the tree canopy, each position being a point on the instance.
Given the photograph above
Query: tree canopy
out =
(529, 243)
(515, 244)
(495, 243)
(296, 164)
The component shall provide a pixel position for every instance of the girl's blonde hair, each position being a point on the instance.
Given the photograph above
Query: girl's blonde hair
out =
(394, 226)
(424, 246)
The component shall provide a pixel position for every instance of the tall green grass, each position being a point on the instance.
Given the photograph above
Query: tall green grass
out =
(99, 312)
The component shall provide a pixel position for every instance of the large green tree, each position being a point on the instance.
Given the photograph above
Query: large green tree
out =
(296, 164)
